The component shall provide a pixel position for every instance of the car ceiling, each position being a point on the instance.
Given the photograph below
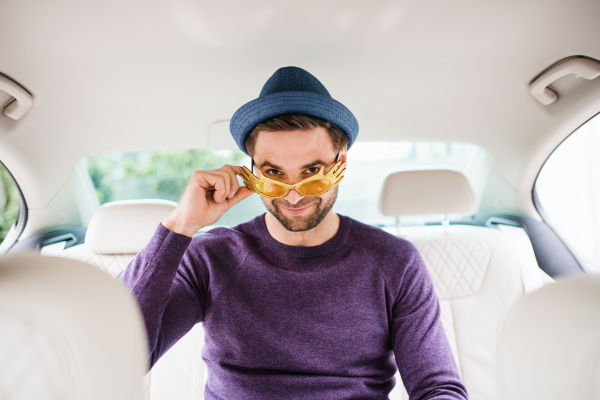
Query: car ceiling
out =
(134, 75)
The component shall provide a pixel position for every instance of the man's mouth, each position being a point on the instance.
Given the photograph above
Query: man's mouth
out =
(297, 211)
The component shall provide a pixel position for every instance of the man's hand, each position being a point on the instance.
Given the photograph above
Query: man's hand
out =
(207, 196)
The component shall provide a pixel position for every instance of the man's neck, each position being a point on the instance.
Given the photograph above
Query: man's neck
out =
(314, 237)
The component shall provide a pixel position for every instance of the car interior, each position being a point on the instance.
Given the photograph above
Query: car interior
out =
(478, 142)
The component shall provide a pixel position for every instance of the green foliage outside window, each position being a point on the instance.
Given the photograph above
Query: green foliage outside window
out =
(153, 175)
(9, 202)
(164, 175)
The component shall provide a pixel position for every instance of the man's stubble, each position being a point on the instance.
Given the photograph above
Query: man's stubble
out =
(304, 223)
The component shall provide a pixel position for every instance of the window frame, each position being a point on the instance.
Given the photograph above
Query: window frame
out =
(18, 226)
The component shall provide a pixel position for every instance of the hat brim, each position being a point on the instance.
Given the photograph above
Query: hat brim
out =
(306, 103)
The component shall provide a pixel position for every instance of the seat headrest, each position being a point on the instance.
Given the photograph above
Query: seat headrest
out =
(125, 227)
(549, 344)
(69, 331)
(438, 191)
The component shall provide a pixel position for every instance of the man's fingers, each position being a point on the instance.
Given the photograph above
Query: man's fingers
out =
(222, 192)
(240, 195)
(211, 180)
(224, 183)
(234, 185)
(236, 170)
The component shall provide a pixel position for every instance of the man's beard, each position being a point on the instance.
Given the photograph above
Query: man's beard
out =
(304, 223)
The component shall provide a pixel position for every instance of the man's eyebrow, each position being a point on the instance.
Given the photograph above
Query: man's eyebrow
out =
(312, 164)
(269, 164)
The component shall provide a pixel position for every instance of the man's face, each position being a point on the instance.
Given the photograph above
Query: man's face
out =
(289, 157)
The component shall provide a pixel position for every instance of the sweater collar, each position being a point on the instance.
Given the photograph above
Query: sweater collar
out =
(287, 251)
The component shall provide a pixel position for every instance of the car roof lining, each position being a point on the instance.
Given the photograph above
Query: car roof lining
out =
(131, 76)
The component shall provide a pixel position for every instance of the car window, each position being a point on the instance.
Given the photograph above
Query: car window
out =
(164, 174)
(9, 202)
(568, 193)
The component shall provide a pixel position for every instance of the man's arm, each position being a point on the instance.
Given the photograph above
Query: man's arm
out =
(422, 351)
(168, 290)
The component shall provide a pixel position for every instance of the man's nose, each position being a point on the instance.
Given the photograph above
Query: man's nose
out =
(293, 197)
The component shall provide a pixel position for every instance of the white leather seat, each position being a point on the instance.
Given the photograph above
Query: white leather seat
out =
(67, 331)
(476, 271)
(549, 347)
(117, 231)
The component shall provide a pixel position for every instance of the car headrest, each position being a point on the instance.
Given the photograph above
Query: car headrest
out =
(125, 227)
(549, 344)
(439, 191)
(69, 331)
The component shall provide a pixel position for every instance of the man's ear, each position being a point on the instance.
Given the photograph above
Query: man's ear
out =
(344, 153)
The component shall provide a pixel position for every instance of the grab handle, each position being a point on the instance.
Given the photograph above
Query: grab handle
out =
(584, 67)
(21, 101)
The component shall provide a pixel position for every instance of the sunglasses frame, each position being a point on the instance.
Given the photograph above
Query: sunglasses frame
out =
(334, 176)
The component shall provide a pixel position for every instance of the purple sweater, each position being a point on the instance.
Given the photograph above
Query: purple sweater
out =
(288, 322)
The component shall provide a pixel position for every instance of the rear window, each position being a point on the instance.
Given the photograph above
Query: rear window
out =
(164, 174)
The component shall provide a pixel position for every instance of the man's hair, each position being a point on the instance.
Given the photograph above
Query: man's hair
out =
(292, 122)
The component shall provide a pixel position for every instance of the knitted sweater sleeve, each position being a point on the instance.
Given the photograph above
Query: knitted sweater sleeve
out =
(161, 277)
(423, 355)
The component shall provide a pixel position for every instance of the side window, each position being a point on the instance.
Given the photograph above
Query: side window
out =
(568, 193)
(9, 202)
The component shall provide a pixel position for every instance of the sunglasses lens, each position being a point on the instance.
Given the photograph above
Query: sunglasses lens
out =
(271, 189)
(314, 187)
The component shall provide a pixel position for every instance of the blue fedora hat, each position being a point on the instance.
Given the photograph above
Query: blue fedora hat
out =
(291, 90)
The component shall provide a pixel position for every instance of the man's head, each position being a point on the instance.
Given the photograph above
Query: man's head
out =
(285, 144)
(290, 148)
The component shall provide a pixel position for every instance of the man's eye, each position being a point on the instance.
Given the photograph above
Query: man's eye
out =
(273, 172)
(312, 170)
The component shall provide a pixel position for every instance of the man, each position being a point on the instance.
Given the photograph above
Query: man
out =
(298, 303)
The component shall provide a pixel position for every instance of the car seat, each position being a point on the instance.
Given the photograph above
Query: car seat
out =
(549, 347)
(68, 331)
(478, 272)
(115, 234)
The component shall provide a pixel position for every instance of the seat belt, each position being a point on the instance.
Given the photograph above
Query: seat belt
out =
(530, 271)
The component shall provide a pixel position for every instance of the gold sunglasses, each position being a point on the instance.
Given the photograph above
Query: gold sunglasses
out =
(313, 186)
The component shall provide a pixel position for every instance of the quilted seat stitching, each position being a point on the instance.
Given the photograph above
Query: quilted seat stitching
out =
(457, 264)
